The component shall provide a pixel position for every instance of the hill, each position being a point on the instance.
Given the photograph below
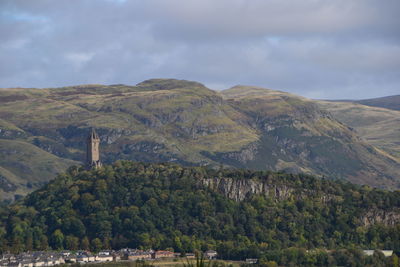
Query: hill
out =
(389, 102)
(298, 136)
(238, 212)
(24, 167)
(163, 120)
(378, 126)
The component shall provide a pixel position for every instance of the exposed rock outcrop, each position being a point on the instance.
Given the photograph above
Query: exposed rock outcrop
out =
(240, 189)
(379, 216)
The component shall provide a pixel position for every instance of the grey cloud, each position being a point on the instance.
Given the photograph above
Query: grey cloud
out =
(316, 48)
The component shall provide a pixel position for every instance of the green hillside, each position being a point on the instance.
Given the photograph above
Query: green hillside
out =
(24, 167)
(163, 206)
(165, 120)
(296, 135)
(378, 126)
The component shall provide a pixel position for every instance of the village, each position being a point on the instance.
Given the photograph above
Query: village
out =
(52, 258)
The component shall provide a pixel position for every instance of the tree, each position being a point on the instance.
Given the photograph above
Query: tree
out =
(44, 243)
(394, 261)
(85, 245)
(96, 244)
(57, 239)
(72, 242)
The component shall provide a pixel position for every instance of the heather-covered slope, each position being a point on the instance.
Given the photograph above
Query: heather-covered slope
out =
(182, 121)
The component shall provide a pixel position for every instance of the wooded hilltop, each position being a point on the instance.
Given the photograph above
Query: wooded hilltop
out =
(163, 206)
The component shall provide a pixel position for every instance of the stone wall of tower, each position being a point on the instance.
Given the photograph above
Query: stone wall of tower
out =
(92, 151)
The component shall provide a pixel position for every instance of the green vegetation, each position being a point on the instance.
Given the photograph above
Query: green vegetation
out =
(379, 126)
(163, 206)
(22, 163)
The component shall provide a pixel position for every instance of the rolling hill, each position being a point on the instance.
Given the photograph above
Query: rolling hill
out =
(179, 121)
(389, 102)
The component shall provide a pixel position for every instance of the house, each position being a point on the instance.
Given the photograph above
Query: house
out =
(8, 256)
(370, 252)
(65, 253)
(104, 258)
(104, 253)
(85, 256)
(70, 259)
(27, 263)
(190, 255)
(40, 262)
(211, 254)
(116, 256)
(133, 255)
(163, 254)
(251, 261)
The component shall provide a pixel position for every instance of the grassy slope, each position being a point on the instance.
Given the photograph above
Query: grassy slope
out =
(22, 163)
(378, 126)
(173, 120)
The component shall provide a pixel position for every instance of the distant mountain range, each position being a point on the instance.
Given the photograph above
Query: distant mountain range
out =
(389, 102)
(42, 131)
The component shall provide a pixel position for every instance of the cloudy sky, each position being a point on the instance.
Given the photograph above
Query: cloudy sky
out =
(316, 48)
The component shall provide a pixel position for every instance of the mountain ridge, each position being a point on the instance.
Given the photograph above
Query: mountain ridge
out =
(183, 121)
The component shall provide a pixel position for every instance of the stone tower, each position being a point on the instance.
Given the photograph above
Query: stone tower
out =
(92, 151)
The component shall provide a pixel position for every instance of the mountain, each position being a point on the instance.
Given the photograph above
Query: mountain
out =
(389, 102)
(24, 167)
(298, 136)
(180, 121)
(240, 213)
(378, 126)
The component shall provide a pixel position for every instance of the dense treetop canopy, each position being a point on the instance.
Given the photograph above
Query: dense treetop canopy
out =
(163, 206)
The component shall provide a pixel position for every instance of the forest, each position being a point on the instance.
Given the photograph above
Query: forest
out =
(164, 206)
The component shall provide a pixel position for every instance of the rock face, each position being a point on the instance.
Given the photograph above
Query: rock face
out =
(377, 216)
(241, 189)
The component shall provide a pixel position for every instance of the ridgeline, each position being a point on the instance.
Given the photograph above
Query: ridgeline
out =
(179, 121)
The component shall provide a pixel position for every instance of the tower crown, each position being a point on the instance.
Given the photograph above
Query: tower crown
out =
(93, 135)
(92, 150)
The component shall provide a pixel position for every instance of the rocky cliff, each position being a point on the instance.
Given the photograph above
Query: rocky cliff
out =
(243, 189)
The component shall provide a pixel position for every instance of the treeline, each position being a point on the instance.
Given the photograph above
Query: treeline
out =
(163, 206)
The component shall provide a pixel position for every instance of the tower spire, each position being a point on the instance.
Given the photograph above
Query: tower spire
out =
(92, 150)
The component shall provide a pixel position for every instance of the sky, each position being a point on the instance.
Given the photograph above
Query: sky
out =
(323, 49)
